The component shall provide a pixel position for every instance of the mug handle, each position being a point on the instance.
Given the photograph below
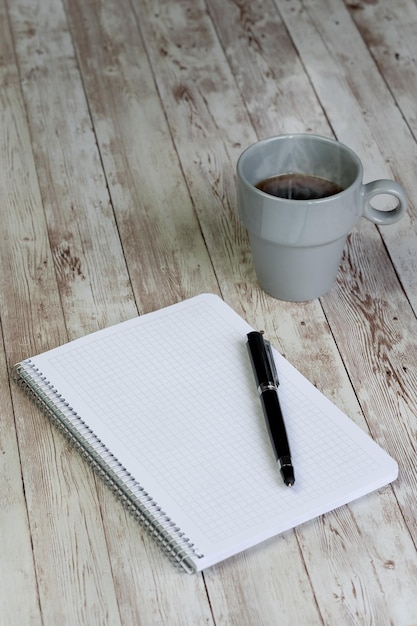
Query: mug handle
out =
(388, 187)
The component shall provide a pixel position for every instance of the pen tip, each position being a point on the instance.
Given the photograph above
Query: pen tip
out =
(287, 472)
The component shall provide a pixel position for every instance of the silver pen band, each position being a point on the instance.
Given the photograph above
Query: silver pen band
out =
(269, 386)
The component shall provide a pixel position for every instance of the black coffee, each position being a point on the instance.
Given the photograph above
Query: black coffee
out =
(299, 186)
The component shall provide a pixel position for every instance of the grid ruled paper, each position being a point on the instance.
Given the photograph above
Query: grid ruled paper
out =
(172, 395)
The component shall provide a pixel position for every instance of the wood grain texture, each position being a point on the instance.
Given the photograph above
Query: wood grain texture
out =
(65, 529)
(362, 111)
(88, 258)
(390, 36)
(17, 574)
(120, 127)
(165, 253)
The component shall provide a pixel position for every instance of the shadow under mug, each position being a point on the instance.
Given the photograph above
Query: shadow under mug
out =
(297, 245)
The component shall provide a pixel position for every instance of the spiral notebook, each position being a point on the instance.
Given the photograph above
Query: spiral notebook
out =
(164, 407)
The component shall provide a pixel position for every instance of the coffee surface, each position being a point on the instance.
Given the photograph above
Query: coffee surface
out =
(299, 186)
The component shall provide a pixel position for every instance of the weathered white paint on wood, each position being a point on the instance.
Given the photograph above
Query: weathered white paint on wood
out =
(120, 127)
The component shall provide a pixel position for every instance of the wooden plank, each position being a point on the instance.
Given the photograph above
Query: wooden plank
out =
(90, 267)
(267, 69)
(206, 140)
(165, 252)
(61, 531)
(390, 34)
(361, 109)
(17, 572)
(73, 576)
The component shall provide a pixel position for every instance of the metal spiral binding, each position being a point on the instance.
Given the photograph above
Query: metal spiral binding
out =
(133, 496)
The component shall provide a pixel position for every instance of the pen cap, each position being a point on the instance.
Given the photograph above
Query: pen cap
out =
(263, 370)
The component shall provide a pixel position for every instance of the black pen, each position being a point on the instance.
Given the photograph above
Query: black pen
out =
(266, 377)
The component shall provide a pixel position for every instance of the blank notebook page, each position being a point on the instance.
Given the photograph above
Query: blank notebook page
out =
(172, 395)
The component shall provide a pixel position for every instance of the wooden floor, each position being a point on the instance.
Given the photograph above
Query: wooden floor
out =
(121, 122)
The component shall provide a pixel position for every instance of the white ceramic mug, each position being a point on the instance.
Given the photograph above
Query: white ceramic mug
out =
(297, 245)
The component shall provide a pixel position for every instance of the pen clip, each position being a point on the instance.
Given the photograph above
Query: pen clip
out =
(271, 361)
